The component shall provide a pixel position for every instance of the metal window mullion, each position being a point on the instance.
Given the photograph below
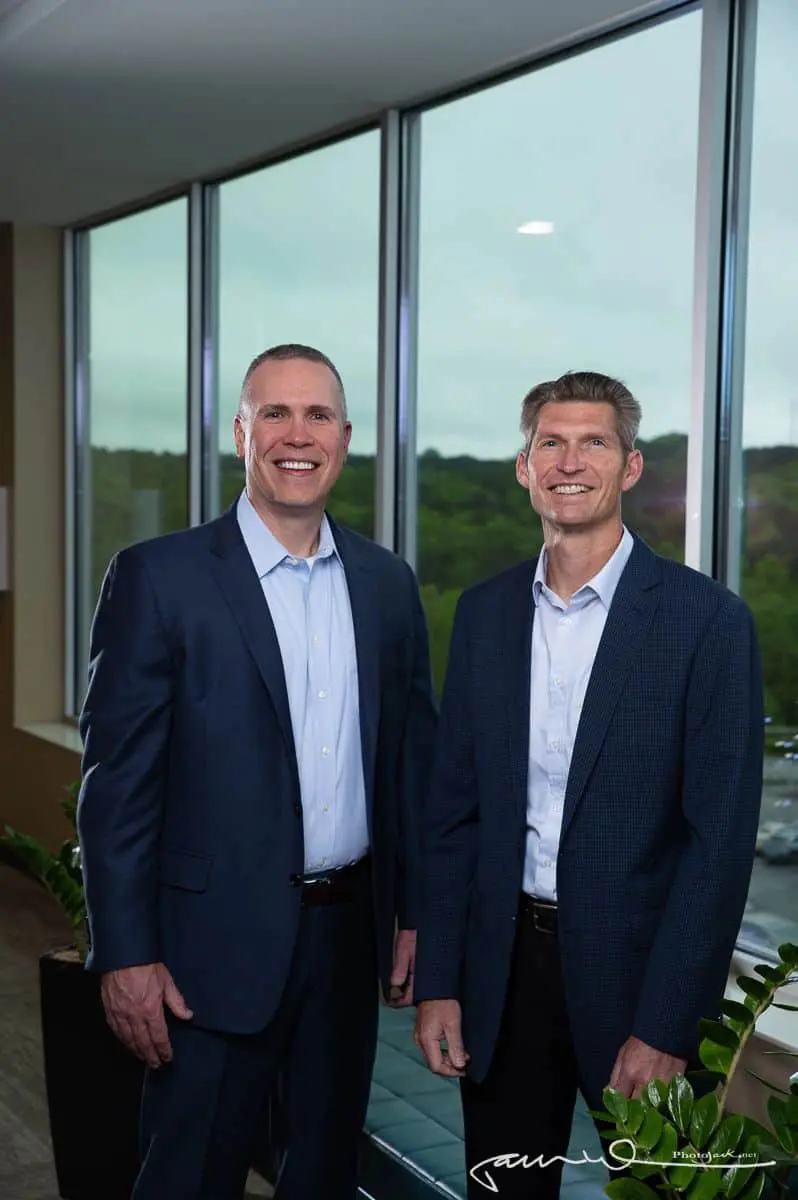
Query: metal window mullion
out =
(70, 482)
(708, 298)
(730, 486)
(211, 493)
(385, 474)
(194, 350)
(79, 399)
(407, 412)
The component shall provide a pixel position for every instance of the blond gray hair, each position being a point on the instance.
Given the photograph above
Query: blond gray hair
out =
(582, 386)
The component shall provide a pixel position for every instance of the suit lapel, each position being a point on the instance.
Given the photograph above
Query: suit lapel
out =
(364, 601)
(238, 580)
(517, 615)
(628, 621)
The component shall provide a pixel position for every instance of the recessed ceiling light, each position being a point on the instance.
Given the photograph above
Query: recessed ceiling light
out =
(537, 227)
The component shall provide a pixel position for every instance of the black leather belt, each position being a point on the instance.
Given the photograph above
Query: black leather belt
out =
(542, 913)
(333, 887)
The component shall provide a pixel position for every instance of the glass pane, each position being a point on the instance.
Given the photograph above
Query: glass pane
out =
(769, 551)
(299, 262)
(603, 146)
(132, 455)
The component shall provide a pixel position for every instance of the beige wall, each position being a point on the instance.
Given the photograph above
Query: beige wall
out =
(33, 769)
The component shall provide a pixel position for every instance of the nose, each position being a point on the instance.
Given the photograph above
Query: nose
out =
(570, 458)
(298, 433)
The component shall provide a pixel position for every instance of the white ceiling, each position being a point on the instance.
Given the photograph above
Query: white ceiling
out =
(108, 102)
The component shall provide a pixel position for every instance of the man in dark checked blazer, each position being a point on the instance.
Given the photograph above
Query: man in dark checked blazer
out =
(590, 832)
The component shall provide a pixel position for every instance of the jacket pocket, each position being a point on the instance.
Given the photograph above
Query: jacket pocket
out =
(182, 869)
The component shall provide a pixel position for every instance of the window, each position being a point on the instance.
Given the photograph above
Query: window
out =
(132, 395)
(603, 146)
(769, 533)
(299, 262)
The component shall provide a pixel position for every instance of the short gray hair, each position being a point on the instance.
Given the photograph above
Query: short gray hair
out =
(584, 386)
(284, 353)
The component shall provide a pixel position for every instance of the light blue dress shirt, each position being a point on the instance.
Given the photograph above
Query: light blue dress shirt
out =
(565, 638)
(308, 599)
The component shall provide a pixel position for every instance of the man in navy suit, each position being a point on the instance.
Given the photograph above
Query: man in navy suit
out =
(590, 832)
(257, 731)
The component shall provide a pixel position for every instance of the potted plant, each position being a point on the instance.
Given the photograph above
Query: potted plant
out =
(675, 1144)
(93, 1083)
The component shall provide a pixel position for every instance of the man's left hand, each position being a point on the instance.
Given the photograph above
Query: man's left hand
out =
(404, 961)
(638, 1063)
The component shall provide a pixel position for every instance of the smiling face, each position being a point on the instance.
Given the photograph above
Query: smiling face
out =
(292, 435)
(575, 468)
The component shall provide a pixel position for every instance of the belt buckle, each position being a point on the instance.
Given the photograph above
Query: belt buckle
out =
(540, 911)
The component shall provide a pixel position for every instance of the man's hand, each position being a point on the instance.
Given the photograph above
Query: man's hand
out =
(438, 1021)
(638, 1063)
(404, 959)
(134, 999)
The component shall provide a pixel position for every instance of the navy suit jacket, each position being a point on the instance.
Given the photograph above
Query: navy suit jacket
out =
(190, 815)
(659, 823)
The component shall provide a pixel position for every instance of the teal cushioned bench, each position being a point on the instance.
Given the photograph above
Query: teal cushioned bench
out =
(415, 1118)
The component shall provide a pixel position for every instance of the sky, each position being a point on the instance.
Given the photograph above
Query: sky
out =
(603, 145)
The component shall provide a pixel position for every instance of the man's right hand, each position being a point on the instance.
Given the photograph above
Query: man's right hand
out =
(134, 1000)
(438, 1021)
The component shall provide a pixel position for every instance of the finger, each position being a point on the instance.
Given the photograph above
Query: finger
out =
(455, 1048)
(144, 1045)
(159, 1036)
(431, 1050)
(174, 1001)
(449, 1069)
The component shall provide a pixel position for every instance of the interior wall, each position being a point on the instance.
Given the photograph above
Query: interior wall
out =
(33, 771)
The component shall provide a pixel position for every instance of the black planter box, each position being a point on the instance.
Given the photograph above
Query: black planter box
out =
(93, 1086)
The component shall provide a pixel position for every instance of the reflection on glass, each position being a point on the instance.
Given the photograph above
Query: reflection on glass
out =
(135, 473)
(599, 152)
(769, 551)
(299, 262)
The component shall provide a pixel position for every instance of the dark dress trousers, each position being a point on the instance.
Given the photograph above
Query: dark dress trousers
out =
(657, 843)
(191, 827)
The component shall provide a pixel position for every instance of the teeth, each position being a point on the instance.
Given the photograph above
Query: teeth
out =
(570, 489)
(296, 466)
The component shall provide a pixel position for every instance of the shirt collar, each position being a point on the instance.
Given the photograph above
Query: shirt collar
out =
(265, 550)
(603, 583)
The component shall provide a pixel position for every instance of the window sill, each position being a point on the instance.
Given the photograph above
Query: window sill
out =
(778, 1028)
(58, 733)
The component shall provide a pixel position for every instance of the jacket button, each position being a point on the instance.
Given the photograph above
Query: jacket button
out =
(297, 810)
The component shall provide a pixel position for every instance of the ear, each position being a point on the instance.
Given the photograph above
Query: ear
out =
(522, 469)
(633, 471)
(347, 436)
(238, 435)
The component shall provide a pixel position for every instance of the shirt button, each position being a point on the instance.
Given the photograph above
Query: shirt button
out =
(323, 694)
(316, 640)
(325, 750)
(326, 808)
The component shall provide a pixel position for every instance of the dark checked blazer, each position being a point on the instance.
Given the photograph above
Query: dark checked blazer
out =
(190, 814)
(659, 822)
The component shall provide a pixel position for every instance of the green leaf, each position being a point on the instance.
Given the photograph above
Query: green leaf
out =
(726, 1139)
(737, 1012)
(753, 988)
(786, 1007)
(792, 1108)
(680, 1102)
(722, 1035)
(655, 1093)
(788, 953)
(771, 974)
(715, 1057)
(630, 1189)
(755, 1188)
(777, 1110)
(616, 1104)
(682, 1176)
(634, 1116)
(754, 1133)
(705, 1186)
(704, 1120)
(650, 1131)
(666, 1146)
